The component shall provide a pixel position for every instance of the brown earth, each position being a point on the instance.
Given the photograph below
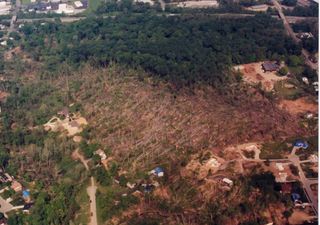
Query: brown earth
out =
(144, 122)
(301, 105)
(253, 73)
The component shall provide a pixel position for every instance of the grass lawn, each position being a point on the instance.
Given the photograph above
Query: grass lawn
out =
(25, 2)
(285, 92)
(274, 150)
(93, 5)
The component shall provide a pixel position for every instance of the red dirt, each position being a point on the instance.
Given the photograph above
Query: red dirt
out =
(301, 105)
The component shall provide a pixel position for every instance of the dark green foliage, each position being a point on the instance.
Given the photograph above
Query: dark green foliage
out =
(56, 208)
(181, 49)
(88, 149)
(103, 176)
(289, 2)
(311, 10)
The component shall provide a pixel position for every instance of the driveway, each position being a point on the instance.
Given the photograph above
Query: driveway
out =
(5, 206)
(91, 190)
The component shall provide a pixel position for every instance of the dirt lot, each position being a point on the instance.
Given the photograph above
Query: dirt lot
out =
(253, 73)
(284, 175)
(301, 105)
(72, 127)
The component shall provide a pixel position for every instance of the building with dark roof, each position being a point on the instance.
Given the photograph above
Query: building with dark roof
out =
(269, 66)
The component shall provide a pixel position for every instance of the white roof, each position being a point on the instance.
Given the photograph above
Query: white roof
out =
(78, 4)
(228, 181)
(279, 166)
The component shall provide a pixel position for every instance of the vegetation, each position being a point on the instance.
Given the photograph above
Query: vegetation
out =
(176, 48)
(311, 10)
(274, 150)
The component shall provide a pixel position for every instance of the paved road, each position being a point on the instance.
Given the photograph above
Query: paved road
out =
(293, 36)
(91, 190)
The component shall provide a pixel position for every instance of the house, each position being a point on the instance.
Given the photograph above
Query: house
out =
(280, 166)
(228, 181)
(313, 158)
(131, 186)
(269, 66)
(26, 195)
(64, 8)
(65, 111)
(101, 153)
(16, 186)
(304, 35)
(78, 4)
(300, 144)
(158, 171)
(3, 43)
(305, 80)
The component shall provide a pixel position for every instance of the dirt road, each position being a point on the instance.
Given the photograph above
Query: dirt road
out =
(293, 36)
(77, 155)
(91, 190)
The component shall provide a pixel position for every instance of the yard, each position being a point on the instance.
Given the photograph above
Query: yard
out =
(275, 150)
(254, 74)
(287, 90)
(25, 2)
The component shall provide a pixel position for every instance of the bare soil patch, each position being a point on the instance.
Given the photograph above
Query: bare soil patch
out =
(301, 105)
(253, 73)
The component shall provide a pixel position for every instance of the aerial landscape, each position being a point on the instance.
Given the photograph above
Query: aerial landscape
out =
(159, 112)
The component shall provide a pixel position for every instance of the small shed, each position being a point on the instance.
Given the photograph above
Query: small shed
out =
(269, 66)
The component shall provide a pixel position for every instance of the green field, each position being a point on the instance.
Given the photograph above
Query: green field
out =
(25, 2)
(93, 5)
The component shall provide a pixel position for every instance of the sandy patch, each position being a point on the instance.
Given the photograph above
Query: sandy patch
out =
(253, 73)
(72, 126)
(301, 105)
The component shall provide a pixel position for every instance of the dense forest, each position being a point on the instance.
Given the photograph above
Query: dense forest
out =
(183, 49)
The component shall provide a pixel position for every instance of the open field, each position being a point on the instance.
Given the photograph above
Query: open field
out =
(253, 73)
